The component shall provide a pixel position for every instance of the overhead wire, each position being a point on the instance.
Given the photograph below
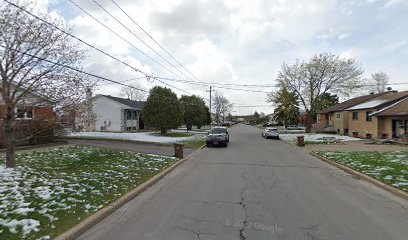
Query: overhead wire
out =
(154, 40)
(130, 44)
(136, 36)
(147, 76)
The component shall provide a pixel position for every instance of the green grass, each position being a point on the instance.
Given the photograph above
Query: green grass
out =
(172, 134)
(388, 167)
(58, 188)
(320, 142)
(194, 143)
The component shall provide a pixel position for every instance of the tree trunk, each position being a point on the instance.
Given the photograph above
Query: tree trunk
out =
(309, 122)
(9, 138)
(189, 127)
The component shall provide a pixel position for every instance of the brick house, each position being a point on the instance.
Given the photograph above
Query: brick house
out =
(40, 110)
(336, 116)
(371, 120)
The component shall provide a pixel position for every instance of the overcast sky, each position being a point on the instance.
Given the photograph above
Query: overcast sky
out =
(241, 41)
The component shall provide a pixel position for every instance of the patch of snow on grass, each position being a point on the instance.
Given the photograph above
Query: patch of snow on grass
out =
(28, 225)
(140, 137)
(311, 137)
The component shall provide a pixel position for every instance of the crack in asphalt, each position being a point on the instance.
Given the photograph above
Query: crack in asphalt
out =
(198, 234)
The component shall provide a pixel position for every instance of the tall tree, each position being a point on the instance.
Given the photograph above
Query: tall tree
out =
(222, 106)
(286, 106)
(133, 93)
(379, 82)
(162, 109)
(25, 45)
(327, 100)
(193, 110)
(323, 73)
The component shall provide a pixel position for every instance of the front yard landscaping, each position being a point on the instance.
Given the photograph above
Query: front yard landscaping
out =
(388, 167)
(52, 190)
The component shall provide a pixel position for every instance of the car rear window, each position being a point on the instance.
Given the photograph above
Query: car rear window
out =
(218, 130)
(272, 130)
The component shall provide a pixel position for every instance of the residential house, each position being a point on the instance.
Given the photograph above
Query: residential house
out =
(335, 118)
(33, 120)
(393, 120)
(380, 117)
(116, 114)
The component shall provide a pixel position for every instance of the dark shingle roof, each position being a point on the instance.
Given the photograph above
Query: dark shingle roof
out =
(350, 103)
(399, 108)
(381, 101)
(127, 102)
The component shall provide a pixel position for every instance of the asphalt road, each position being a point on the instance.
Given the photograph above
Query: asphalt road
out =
(258, 189)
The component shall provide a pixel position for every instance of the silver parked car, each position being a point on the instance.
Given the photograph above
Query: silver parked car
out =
(270, 132)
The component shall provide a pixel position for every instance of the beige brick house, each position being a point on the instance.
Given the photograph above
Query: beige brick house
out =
(336, 117)
(364, 120)
(376, 116)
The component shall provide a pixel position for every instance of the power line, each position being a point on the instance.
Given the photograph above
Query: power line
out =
(130, 44)
(141, 40)
(147, 76)
(128, 80)
(158, 44)
(85, 73)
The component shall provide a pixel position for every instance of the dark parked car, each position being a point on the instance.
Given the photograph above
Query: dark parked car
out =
(218, 136)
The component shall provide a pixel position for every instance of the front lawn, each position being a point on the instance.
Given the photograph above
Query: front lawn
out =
(173, 134)
(52, 190)
(388, 167)
(317, 138)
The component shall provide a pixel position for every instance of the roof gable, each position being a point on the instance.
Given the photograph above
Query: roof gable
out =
(399, 108)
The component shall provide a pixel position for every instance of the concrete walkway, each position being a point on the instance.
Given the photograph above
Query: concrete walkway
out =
(131, 146)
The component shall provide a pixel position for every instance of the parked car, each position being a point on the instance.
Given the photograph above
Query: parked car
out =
(270, 133)
(218, 136)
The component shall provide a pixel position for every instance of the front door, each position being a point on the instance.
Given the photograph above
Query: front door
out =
(396, 126)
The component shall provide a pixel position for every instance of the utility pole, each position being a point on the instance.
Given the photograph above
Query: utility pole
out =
(210, 102)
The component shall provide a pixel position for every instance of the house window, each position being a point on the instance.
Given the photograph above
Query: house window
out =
(355, 134)
(128, 115)
(369, 118)
(134, 128)
(128, 129)
(318, 118)
(134, 115)
(103, 128)
(369, 136)
(355, 115)
(24, 113)
(338, 115)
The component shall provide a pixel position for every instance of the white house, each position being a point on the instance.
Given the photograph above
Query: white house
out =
(117, 114)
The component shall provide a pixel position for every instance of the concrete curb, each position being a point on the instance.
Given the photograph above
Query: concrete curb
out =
(358, 174)
(93, 219)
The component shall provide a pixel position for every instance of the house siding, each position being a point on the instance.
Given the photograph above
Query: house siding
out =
(106, 109)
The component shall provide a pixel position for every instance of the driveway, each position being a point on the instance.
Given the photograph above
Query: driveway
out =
(257, 189)
(130, 146)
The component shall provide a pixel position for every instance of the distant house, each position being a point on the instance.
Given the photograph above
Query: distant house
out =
(376, 116)
(117, 114)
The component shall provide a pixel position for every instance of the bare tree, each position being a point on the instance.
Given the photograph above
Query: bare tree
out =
(378, 82)
(33, 68)
(221, 105)
(323, 73)
(132, 93)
